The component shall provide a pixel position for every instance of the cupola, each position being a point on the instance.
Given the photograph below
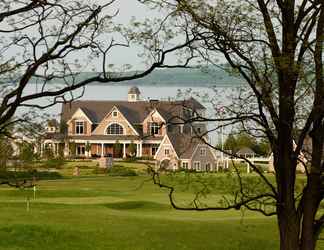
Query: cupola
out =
(133, 94)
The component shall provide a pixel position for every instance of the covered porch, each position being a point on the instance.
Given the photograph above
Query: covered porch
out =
(115, 149)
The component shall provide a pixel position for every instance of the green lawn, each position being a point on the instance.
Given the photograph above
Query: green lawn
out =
(121, 213)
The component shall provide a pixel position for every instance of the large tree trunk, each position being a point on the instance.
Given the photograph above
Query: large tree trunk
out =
(288, 219)
(308, 240)
(312, 195)
(289, 231)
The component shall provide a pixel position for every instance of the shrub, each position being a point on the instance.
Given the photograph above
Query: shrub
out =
(54, 163)
(39, 175)
(99, 170)
(118, 149)
(130, 159)
(146, 158)
(132, 149)
(118, 170)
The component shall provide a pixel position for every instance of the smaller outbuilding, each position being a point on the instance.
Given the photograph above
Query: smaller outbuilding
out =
(246, 152)
(178, 150)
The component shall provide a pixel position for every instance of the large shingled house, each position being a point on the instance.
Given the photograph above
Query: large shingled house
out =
(155, 127)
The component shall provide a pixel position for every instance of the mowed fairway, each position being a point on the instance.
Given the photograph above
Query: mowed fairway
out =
(121, 213)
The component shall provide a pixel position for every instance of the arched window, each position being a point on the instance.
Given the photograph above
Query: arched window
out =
(115, 129)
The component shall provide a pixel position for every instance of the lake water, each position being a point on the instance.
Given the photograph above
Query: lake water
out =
(119, 92)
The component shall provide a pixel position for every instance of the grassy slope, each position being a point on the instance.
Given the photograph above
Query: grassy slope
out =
(119, 213)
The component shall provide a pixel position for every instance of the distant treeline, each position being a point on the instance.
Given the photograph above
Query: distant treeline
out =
(183, 76)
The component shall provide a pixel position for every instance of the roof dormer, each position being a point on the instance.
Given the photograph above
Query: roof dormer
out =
(52, 126)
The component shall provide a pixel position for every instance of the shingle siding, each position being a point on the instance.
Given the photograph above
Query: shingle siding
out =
(203, 159)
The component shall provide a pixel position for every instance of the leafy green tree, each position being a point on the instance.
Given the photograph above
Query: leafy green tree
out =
(48, 152)
(118, 149)
(262, 148)
(61, 151)
(132, 149)
(26, 153)
(63, 128)
(72, 149)
(88, 149)
(246, 140)
(234, 143)
(6, 152)
(231, 143)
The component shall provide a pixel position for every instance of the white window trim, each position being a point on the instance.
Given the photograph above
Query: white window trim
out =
(185, 162)
(80, 146)
(114, 113)
(199, 165)
(157, 148)
(168, 151)
(203, 151)
(109, 124)
(120, 114)
(75, 129)
(156, 125)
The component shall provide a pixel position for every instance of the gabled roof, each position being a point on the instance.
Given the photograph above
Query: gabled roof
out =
(245, 151)
(134, 90)
(134, 112)
(97, 110)
(194, 104)
(85, 112)
(53, 136)
(124, 117)
(183, 144)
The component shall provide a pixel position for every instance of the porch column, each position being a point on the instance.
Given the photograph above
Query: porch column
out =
(141, 149)
(66, 149)
(102, 150)
(42, 149)
(124, 150)
(137, 150)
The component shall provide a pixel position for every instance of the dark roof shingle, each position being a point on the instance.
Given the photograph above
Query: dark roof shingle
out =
(135, 112)
(183, 144)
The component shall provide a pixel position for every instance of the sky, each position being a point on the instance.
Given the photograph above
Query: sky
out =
(129, 9)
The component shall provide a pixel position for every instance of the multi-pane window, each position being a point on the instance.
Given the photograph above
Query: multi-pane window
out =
(79, 127)
(154, 150)
(115, 129)
(197, 165)
(154, 128)
(80, 150)
(203, 151)
(185, 165)
(115, 113)
(166, 151)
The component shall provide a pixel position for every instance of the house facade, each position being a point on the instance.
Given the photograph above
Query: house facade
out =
(154, 129)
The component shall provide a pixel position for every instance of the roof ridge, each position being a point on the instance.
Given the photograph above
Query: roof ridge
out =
(106, 101)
